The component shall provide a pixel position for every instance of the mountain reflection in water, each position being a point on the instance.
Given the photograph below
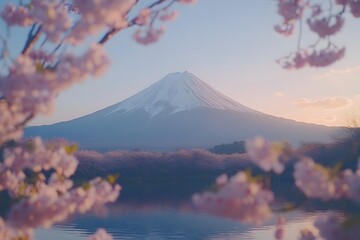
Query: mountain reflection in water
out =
(171, 222)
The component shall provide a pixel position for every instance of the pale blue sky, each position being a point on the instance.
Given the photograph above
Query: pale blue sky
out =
(231, 45)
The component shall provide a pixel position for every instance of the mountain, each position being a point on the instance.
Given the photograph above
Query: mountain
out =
(179, 111)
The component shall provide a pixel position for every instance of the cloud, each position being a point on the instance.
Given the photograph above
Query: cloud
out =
(337, 73)
(279, 94)
(323, 118)
(357, 98)
(329, 103)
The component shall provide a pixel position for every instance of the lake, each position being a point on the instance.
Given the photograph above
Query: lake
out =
(160, 208)
(154, 221)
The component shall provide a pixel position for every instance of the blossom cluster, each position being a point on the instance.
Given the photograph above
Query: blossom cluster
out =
(8, 232)
(307, 234)
(353, 181)
(51, 15)
(149, 33)
(238, 198)
(147, 19)
(30, 88)
(264, 154)
(320, 21)
(290, 11)
(10, 122)
(317, 181)
(280, 228)
(45, 201)
(36, 173)
(97, 15)
(48, 206)
(312, 57)
(331, 227)
(34, 156)
(100, 234)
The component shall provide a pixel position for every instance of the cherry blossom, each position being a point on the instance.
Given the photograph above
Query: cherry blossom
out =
(354, 7)
(290, 9)
(326, 56)
(96, 15)
(33, 80)
(312, 57)
(41, 56)
(11, 181)
(7, 232)
(10, 122)
(265, 154)
(280, 228)
(53, 17)
(331, 228)
(100, 234)
(169, 16)
(26, 87)
(353, 180)
(187, 1)
(317, 182)
(143, 17)
(236, 198)
(295, 60)
(307, 234)
(48, 206)
(323, 22)
(30, 85)
(148, 36)
(341, 2)
(285, 29)
(323, 27)
(17, 15)
(37, 158)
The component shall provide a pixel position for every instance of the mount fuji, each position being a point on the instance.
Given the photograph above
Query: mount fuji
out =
(179, 111)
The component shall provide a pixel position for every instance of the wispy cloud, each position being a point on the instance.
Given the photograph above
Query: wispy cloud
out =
(324, 118)
(278, 94)
(329, 103)
(334, 73)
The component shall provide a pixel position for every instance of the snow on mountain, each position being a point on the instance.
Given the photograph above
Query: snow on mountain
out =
(174, 93)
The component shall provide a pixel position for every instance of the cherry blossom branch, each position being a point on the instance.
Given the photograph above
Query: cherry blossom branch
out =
(25, 121)
(132, 22)
(112, 32)
(300, 34)
(32, 38)
(4, 50)
(162, 9)
(342, 10)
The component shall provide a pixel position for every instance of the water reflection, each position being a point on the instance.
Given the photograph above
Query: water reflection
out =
(171, 222)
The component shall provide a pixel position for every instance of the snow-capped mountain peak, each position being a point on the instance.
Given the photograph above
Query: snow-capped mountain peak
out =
(179, 111)
(174, 93)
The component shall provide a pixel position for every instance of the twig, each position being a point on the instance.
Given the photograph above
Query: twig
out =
(132, 22)
(342, 10)
(32, 38)
(300, 34)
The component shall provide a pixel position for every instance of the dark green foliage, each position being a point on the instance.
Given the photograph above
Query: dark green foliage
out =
(235, 147)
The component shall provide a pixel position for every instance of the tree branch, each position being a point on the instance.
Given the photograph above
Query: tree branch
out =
(32, 38)
(132, 22)
(300, 34)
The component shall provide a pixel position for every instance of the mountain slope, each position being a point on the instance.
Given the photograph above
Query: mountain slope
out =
(179, 111)
(174, 93)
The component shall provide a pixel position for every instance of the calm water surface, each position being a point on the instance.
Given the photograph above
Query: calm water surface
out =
(159, 209)
(177, 222)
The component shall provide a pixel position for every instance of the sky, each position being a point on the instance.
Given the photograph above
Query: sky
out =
(232, 46)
